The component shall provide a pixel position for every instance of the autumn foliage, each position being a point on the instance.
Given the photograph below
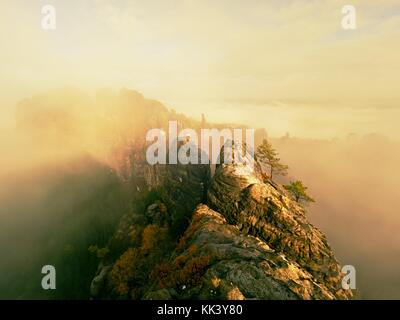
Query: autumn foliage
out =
(123, 271)
(149, 236)
(185, 270)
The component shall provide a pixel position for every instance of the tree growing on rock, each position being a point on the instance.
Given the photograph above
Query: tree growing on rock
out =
(299, 191)
(266, 155)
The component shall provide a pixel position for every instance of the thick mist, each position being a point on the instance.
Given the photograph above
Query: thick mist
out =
(62, 189)
(355, 183)
(287, 66)
(63, 185)
(60, 193)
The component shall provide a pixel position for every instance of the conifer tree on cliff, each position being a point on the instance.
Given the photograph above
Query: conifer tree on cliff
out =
(299, 191)
(267, 156)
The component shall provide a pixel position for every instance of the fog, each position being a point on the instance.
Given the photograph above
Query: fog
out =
(50, 215)
(286, 66)
(59, 174)
(60, 192)
(355, 183)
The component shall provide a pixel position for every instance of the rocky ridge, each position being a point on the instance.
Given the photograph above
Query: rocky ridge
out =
(245, 240)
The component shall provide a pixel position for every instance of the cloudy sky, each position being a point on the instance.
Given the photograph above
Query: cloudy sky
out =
(284, 65)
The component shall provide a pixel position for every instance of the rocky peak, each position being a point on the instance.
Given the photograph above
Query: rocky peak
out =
(267, 211)
(246, 239)
(229, 264)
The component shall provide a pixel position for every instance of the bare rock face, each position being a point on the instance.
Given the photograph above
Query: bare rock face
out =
(266, 211)
(239, 266)
(250, 241)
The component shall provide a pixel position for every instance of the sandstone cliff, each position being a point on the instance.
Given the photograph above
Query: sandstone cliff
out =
(241, 239)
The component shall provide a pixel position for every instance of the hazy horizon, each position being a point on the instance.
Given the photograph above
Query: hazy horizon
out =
(328, 99)
(284, 65)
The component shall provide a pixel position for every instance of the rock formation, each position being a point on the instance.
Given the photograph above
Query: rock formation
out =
(246, 239)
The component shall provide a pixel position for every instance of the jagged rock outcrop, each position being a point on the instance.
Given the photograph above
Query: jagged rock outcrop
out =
(267, 211)
(233, 265)
(163, 205)
(246, 240)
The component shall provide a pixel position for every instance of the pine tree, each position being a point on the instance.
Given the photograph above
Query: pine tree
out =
(299, 191)
(266, 155)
